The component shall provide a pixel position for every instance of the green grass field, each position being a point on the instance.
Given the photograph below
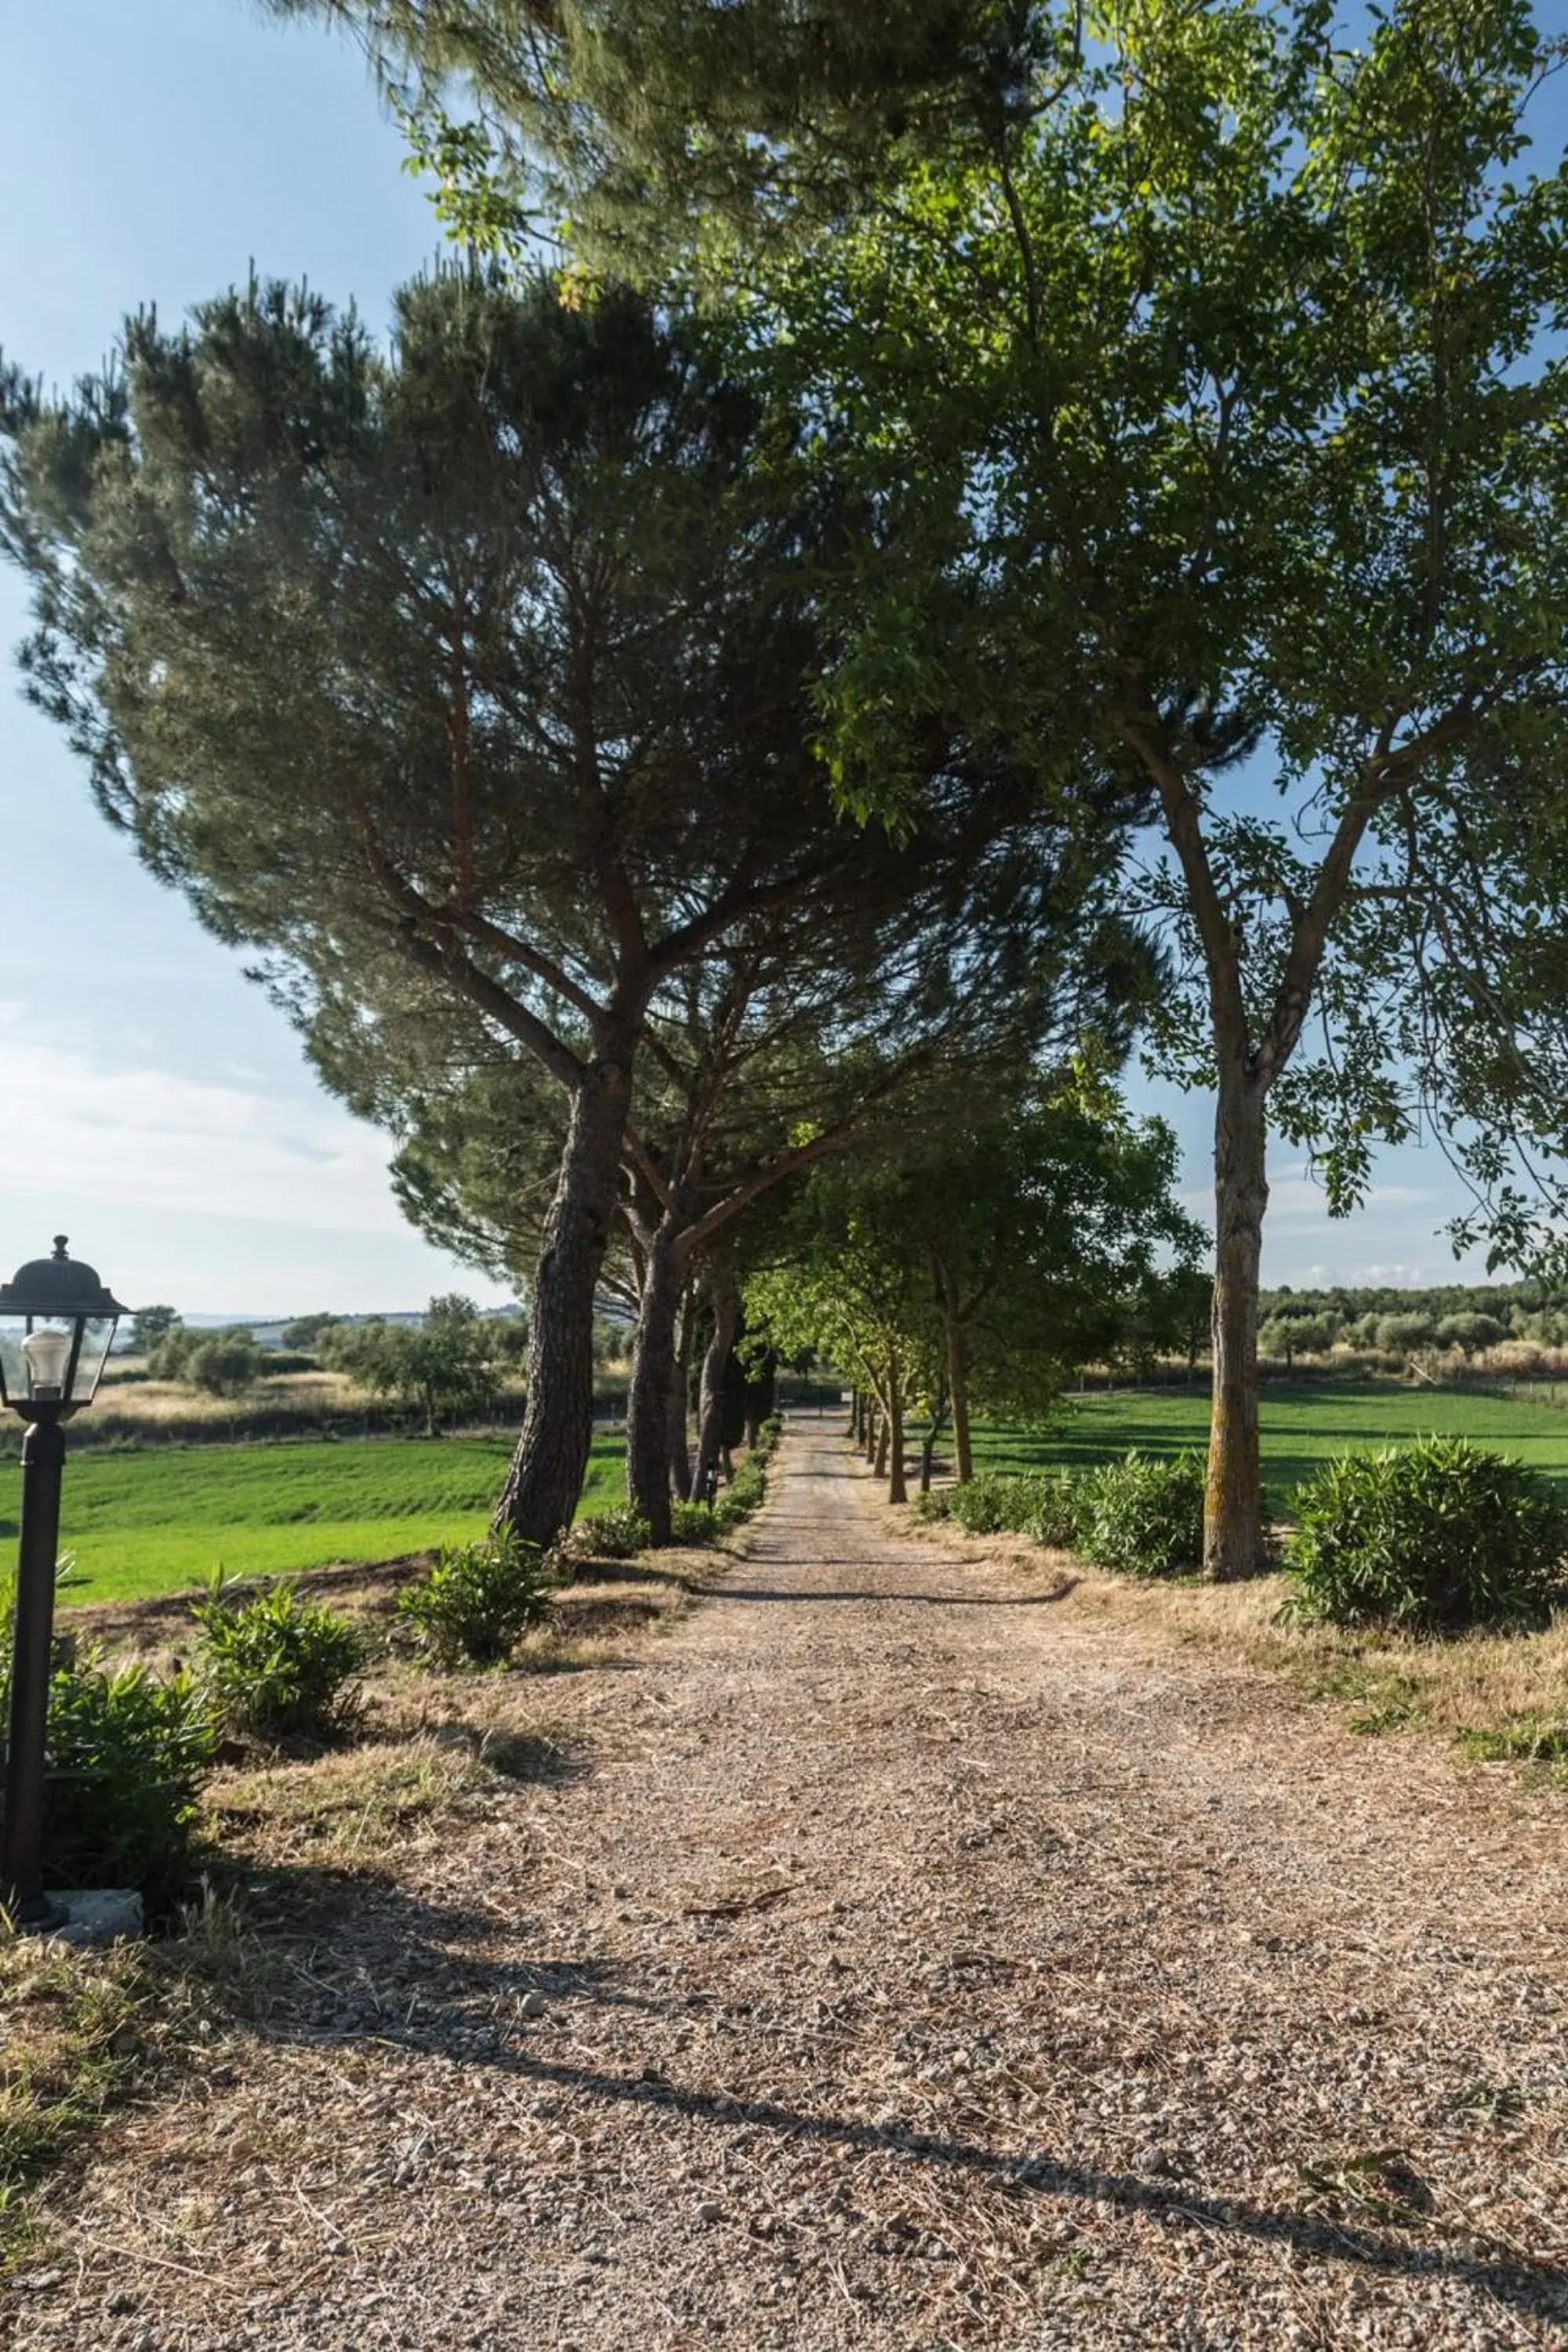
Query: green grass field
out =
(1303, 1423)
(158, 1521)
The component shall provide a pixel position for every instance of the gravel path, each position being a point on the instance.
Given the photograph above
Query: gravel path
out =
(913, 1964)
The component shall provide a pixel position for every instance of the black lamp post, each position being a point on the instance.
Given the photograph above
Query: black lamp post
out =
(57, 1321)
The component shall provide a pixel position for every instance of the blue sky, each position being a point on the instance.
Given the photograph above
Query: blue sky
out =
(153, 1104)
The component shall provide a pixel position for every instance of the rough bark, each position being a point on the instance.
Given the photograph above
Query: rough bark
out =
(958, 1390)
(854, 1429)
(898, 1488)
(649, 1395)
(1233, 1506)
(928, 1446)
(879, 1451)
(725, 1297)
(545, 1477)
(680, 1400)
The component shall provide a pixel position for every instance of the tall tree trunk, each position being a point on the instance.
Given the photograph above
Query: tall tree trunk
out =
(897, 1490)
(879, 1451)
(1233, 1503)
(854, 1429)
(545, 1477)
(724, 1293)
(956, 1341)
(679, 1399)
(648, 1396)
(958, 1391)
(928, 1448)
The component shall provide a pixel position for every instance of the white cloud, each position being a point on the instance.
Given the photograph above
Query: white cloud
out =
(1295, 1192)
(146, 1135)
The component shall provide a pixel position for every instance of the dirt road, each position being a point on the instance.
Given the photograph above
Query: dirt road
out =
(916, 1963)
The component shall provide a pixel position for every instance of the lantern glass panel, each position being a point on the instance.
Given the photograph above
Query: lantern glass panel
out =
(13, 1377)
(97, 1332)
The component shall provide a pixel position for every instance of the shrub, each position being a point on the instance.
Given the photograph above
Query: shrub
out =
(615, 1535)
(276, 1666)
(1043, 1505)
(124, 1756)
(692, 1523)
(1471, 1332)
(1428, 1538)
(478, 1598)
(934, 1505)
(743, 1493)
(1398, 1335)
(1145, 1517)
(986, 1505)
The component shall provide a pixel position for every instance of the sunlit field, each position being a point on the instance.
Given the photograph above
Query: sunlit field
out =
(143, 1523)
(1303, 1424)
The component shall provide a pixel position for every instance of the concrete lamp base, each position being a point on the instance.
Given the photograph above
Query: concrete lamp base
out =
(92, 1914)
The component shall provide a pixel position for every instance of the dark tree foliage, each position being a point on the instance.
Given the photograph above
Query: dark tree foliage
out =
(467, 680)
(698, 125)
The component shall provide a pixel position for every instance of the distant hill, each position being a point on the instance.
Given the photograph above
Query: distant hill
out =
(268, 1329)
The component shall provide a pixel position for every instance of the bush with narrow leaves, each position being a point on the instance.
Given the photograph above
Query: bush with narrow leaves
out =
(614, 1535)
(743, 1493)
(278, 1668)
(692, 1524)
(1144, 1516)
(124, 1756)
(1427, 1538)
(1043, 1505)
(479, 1599)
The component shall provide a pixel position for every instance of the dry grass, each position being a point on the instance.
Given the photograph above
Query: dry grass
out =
(72, 2028)
(1499, 1694)
(154, 1404)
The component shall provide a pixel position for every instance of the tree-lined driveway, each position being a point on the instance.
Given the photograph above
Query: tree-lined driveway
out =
(918, 1961)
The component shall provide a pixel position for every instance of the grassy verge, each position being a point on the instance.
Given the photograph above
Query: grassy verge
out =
(73, 2029)
(1497, 1696)
(138, 1525)
(1303, 1426)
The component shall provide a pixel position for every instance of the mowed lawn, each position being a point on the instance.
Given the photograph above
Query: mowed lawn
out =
(158, 1521)
(1303, 1424)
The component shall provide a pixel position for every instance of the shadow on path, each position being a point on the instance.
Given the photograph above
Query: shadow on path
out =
(1537, 2288)
(927, 1600)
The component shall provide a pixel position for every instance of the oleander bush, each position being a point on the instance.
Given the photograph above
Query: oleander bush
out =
(123, 1762)
(611, 1535)
(479, 1599)
(1143, 1515)
(276, 1667)
(743, 1493)
(1427, 1538)
(1044, 1503)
